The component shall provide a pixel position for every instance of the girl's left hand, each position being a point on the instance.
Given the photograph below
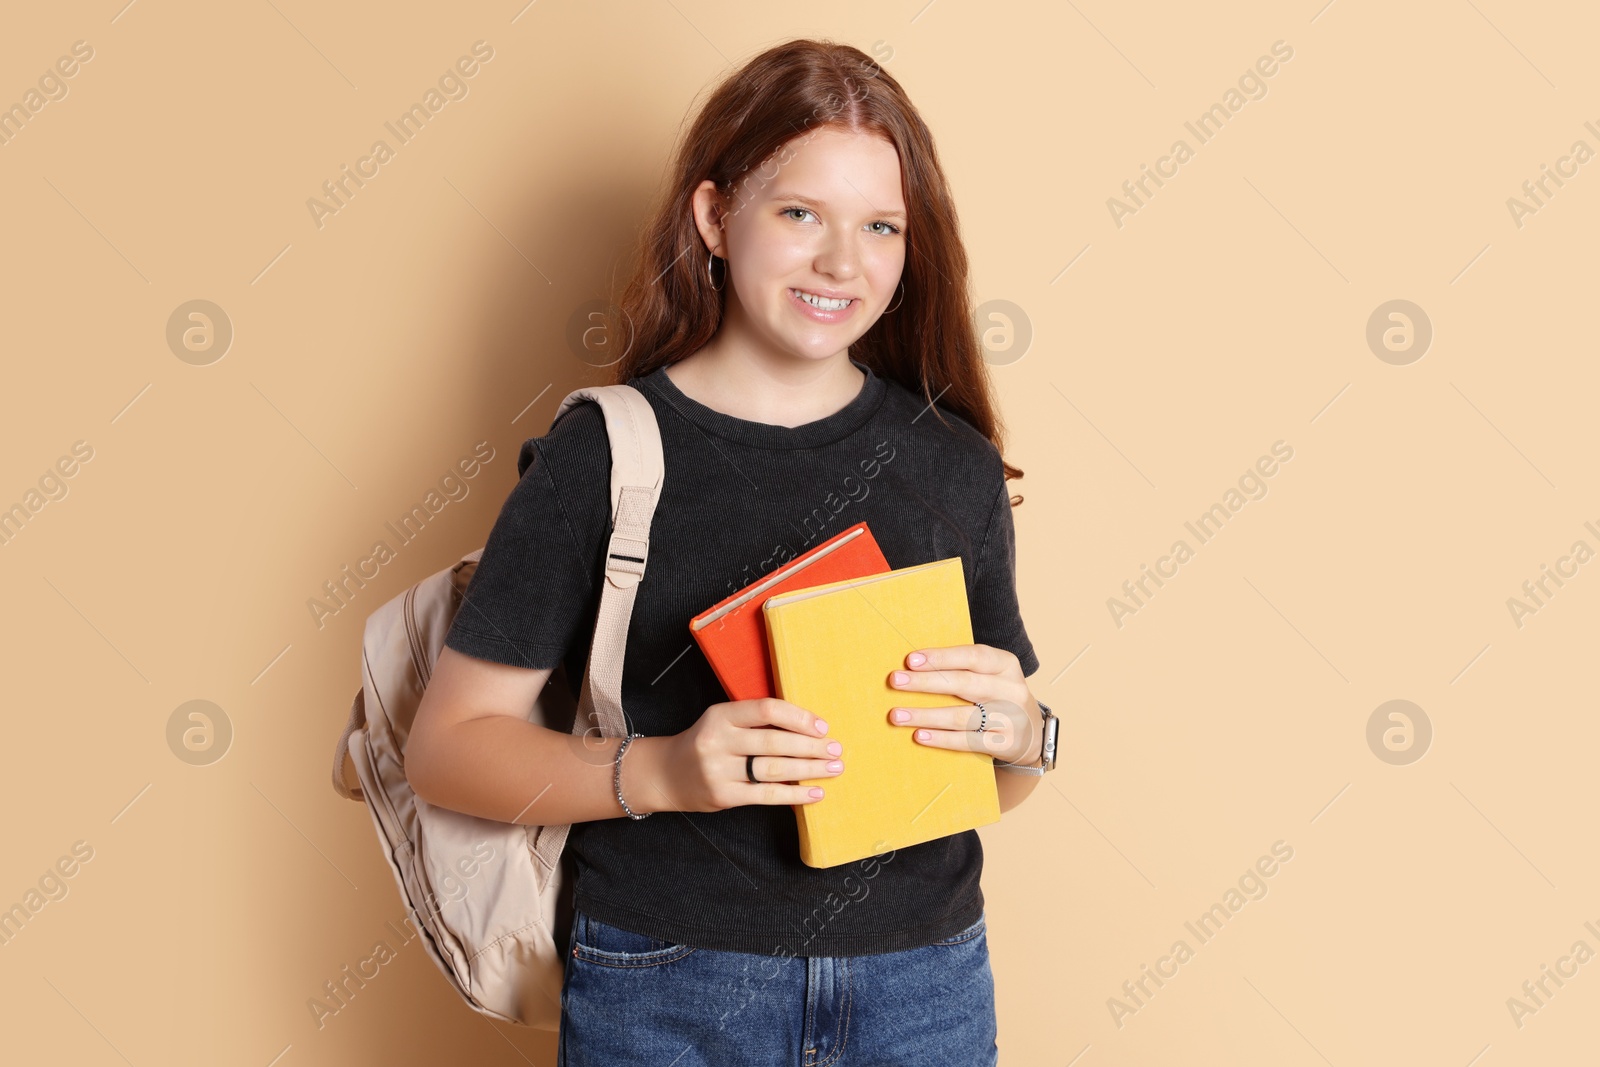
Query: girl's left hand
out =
(973, 673)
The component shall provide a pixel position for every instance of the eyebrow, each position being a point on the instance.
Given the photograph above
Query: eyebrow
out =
(809, 202)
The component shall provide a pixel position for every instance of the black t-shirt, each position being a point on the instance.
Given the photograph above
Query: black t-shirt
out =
(739, 499)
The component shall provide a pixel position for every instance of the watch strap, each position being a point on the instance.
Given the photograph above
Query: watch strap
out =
(1046, 748)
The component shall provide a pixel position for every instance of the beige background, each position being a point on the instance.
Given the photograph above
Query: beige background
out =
(1168, 354)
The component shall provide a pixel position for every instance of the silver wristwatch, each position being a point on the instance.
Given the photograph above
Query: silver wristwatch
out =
(1047, 753)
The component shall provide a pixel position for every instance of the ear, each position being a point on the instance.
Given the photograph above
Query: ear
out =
(710, 209)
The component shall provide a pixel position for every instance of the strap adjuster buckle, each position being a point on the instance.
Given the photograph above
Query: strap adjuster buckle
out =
(625, 559)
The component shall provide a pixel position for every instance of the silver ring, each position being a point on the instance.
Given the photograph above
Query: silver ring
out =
(983, 716)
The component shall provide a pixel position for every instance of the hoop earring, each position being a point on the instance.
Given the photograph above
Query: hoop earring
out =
(900, 301)
(714, 286)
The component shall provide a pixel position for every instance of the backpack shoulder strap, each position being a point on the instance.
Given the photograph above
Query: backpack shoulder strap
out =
(637, 471)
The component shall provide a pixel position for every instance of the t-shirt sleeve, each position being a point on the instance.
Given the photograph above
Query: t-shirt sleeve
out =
(996, 617)
(536, 584)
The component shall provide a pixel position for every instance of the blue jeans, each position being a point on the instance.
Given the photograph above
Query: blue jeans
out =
(630, 1000)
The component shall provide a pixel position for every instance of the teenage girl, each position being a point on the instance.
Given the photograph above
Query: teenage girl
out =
(799, 321)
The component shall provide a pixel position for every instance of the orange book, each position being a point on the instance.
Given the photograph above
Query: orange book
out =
(732, 632)
(832, 650)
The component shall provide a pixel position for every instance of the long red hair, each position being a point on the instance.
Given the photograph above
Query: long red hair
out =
(929, 343)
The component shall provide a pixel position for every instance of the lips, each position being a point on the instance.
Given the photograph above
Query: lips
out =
(822, 314)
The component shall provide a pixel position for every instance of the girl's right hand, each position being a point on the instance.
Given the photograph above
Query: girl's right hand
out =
(706, 764)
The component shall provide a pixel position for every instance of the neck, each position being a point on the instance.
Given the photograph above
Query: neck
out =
(778, 391)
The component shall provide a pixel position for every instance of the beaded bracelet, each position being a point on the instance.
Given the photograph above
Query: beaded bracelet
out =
(616, 778)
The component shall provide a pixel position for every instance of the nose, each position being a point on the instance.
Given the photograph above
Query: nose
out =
(839, 257)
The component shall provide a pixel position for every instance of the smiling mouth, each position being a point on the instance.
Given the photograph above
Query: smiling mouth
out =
(821, 303)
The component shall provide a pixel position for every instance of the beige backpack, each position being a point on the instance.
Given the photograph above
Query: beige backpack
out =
(493, 899)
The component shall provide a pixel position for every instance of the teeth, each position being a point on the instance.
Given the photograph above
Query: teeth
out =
(821, 302)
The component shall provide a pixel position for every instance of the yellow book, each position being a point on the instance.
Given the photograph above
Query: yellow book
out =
(832, 648)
